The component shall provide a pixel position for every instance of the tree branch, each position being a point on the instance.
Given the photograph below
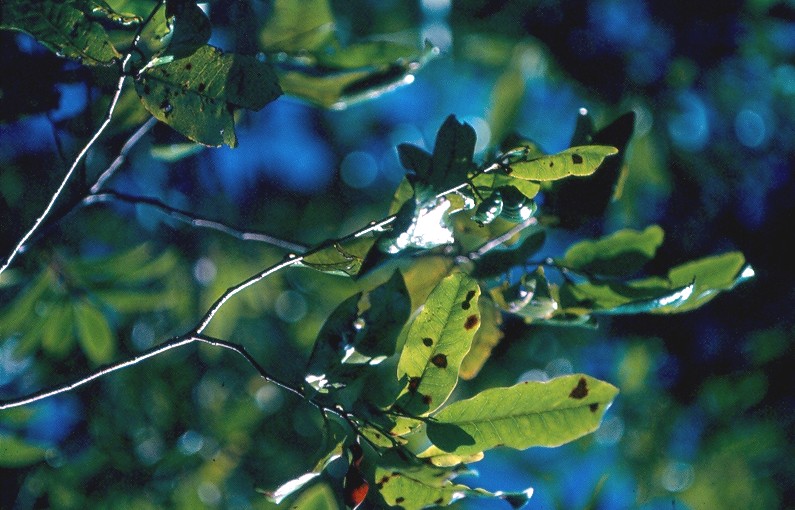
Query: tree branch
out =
(191, 219)
(125, 149)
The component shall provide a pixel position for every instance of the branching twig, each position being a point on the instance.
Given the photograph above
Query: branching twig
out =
(125, 149)
(191, 219)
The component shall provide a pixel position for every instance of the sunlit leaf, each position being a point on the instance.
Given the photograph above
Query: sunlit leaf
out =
(576, 161)
(711, 275)
(94, 333)
(69, 28)
(16, 453)
(197, 95)
(622, 253)
(437, 342)
(497, 179)
(528, 414)
(420, 224)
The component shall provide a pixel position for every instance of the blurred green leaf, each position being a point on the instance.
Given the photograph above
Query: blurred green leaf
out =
(57, 335)
(576, 161)
(175, 151)
(622, 253)
(69, 28)
(94, 333)
(296, 26)
(16, 453)
(317, 497)
(527, 414)
(452, 154)
(437, 342)
(197, 95)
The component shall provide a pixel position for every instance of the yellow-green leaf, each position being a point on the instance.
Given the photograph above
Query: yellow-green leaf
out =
(93, 333)
(437, 342)
(15, 452)
(528, 414)
(577, 161)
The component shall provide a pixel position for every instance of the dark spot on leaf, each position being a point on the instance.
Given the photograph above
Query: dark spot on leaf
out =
(576, 159)
(414, 383)
(551, 164)
(427, 399)
(400, 499)
(188, 66)
(439, 501)
(440, 360)
(201, 87)
(471, 322)
(466, 304)
(593, 407)
(147, 89)
(395, 473)
(581, 390)
(427, 341)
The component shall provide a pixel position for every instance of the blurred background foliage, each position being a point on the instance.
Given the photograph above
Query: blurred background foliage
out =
(705, 415)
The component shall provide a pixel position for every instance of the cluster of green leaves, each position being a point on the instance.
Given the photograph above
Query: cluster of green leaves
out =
(76, 302)
(389, 359)
(196, 88)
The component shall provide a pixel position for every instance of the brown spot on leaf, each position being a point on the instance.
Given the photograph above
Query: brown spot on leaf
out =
(593, 407)
(427, 399)
(427, 341)
(440, 360)
(576, 159)
(188, 66)
(551, 164)
(471, 322)
(414, 383)
(581, 390)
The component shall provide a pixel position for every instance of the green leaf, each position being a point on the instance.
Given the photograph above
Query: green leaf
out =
(437, 342)
(415, 159)
(578, 161)
(68, 28)
(296, 26)
(16, 453)
(197, 95)
(452, 154)
(619, 298)
(620, 254)
(317, 497)
(711, 275)
(486, 339)
(496, 179)
(57, 335)
(497, 262)
(528, 414)
(94, 333)
(390, 307)
(344, 259)
(174, 152)
(334, 338)
(421, 223)
(189, 28)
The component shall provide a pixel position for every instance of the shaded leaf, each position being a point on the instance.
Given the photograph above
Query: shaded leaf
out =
(189, 28)
(415, 159)
(437, 342)
(16, 453)
(576, 161)
(390, 307)
(197, 95)
(486, 339)
(67, 28)
(452, 154)
(93, 333)
(528, 414)
(296, 26)
(622, 253)
(57, 335)
(334, 339)
(344, 259)
(496, 262)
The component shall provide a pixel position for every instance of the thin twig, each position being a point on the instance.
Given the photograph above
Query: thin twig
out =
(125, 149)
(193, 220)
(67, 177)
(497, 241)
